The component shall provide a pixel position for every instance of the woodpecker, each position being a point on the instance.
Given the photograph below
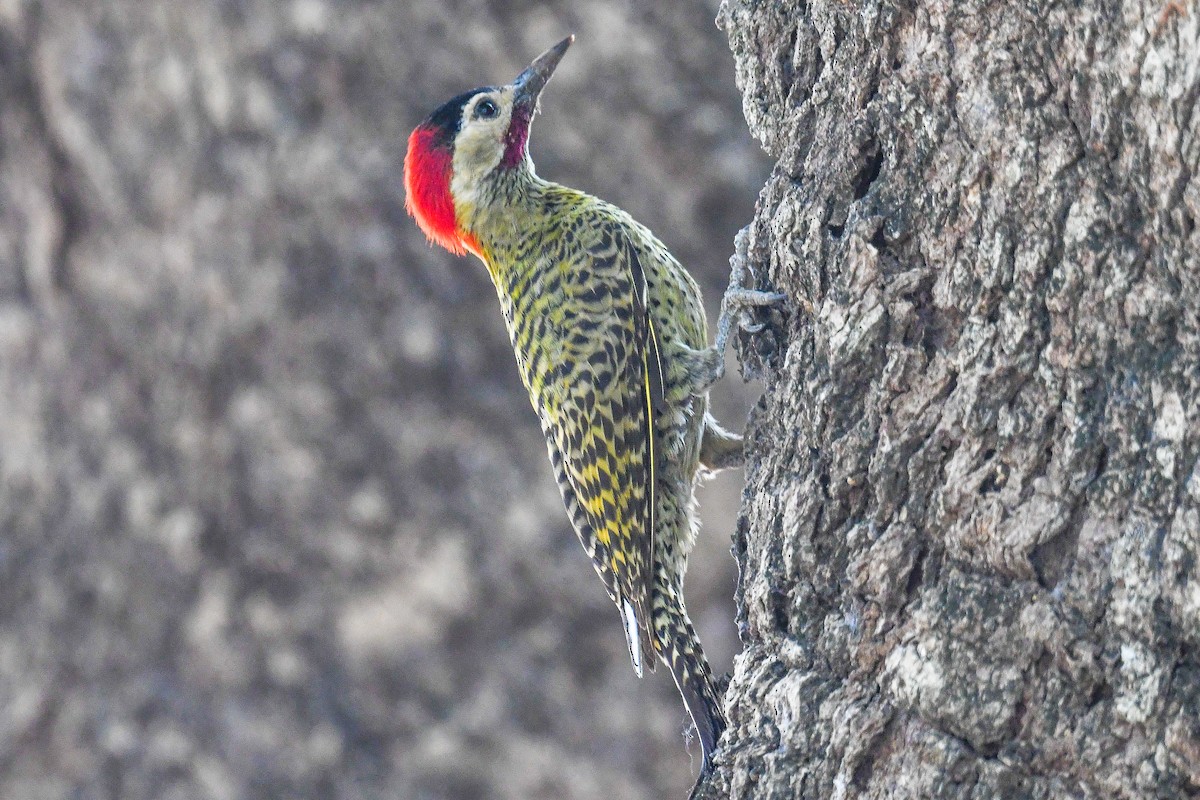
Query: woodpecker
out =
(611, 343)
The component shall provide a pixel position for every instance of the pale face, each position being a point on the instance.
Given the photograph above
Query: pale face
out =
(457, 153)
(480, 144)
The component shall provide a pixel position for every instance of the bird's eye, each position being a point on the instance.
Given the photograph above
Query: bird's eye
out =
(486, 109)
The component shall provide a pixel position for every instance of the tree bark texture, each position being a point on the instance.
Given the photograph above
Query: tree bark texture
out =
(969, 543)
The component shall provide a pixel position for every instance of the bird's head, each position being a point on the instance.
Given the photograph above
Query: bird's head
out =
(468, 141)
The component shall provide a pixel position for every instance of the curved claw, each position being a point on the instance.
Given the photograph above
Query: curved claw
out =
(737, 303)
(751, 327)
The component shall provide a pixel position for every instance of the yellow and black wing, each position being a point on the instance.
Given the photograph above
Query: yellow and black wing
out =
(610, 394)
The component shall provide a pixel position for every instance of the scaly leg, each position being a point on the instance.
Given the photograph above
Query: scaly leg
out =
(720, 449)
(738, 301)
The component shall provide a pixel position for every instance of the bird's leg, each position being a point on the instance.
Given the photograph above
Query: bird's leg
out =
(720, 449)
(738, 302)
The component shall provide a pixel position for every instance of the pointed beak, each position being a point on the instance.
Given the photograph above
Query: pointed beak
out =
(529, 84)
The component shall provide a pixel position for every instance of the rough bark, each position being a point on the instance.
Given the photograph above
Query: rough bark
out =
(969, 543)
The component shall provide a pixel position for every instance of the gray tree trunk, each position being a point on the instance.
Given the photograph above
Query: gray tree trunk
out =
(969, 543)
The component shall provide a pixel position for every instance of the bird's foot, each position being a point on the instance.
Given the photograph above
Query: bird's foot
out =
(739, 304)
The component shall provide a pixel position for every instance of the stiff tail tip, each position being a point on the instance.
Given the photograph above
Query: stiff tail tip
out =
(694, 680)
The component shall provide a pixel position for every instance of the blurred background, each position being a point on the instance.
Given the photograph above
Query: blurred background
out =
(276, 519)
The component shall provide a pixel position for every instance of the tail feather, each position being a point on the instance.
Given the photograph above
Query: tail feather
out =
(680, 650)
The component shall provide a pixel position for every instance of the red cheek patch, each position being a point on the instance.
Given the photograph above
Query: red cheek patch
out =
(427, 168)
(516, 139)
